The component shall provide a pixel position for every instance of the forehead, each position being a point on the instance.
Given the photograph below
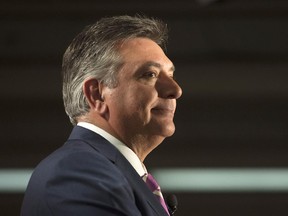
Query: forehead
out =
(144, 51)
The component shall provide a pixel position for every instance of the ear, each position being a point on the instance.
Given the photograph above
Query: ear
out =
(92, 90)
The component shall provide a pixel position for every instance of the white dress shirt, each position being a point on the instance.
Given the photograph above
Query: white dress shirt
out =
(124, 149)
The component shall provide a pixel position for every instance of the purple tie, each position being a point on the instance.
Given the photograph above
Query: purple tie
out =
(155, 188)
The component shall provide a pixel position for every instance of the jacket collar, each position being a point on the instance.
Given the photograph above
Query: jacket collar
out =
(96, 141)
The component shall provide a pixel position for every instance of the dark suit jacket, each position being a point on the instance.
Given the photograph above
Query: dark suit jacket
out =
(88, 176)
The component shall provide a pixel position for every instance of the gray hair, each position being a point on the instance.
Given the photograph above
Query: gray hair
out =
(93, 54)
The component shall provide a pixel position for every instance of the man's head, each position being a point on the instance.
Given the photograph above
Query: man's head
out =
(94, 53)
(117, 76)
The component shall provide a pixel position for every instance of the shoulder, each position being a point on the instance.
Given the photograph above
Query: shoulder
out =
(78, 160)
(79, 178)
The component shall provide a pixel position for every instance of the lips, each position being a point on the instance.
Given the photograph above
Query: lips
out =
(164, 109)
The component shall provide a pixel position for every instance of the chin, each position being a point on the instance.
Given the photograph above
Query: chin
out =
(168, 131)
(162, 128)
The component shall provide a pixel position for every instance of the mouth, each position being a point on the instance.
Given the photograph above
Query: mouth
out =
(163, 110)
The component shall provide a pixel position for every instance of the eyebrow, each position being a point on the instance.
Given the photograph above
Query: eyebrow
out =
(155, 64)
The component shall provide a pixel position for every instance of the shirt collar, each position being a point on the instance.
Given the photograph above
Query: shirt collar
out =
(124, 149)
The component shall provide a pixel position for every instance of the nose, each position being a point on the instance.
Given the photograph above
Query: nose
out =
(168, 88)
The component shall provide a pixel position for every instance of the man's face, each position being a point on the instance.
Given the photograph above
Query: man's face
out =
(144, 101)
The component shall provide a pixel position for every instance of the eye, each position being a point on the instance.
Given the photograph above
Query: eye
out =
(150, 74)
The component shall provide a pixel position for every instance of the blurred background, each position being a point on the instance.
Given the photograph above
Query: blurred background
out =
(231, 60)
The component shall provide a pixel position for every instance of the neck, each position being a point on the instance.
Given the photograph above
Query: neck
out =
(141, 144)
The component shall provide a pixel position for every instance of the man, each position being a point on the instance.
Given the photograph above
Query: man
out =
(119, 91)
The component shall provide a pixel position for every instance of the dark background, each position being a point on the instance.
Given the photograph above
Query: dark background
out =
(231, 61)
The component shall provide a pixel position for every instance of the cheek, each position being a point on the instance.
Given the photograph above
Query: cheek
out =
(136, 108)
(144, 100)
(134, 98)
